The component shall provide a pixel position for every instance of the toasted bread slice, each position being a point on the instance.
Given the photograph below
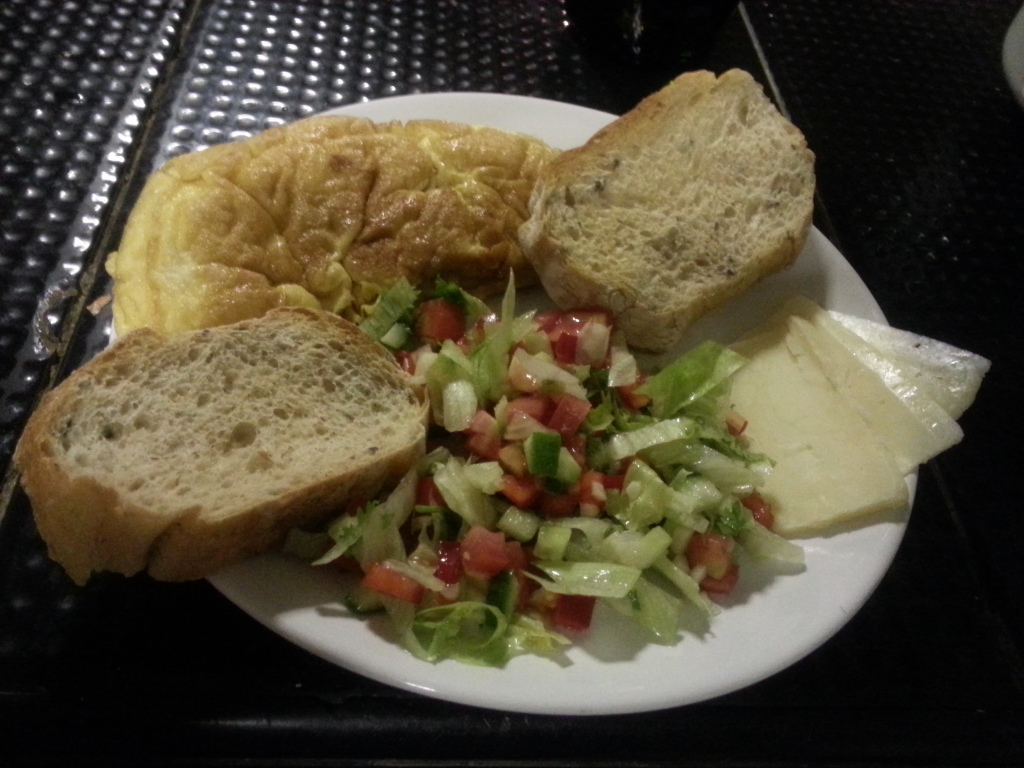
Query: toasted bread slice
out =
(179, 455)
(674, 208)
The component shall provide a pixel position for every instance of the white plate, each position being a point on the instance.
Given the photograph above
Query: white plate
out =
(771, 622)
(1013, 56)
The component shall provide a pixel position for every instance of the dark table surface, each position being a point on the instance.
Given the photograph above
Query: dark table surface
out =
(920, 160)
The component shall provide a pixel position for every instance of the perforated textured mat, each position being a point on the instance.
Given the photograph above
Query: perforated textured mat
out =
(921, 177)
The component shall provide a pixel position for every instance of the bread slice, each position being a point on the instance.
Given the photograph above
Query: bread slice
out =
(182, 454)
(674, 208)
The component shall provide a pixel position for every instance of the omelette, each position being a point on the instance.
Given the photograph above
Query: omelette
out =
(323, 213)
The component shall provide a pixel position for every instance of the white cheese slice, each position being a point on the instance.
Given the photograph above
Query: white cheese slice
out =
(913, 432)
(830, 466)
(951, 376)
(910, 385)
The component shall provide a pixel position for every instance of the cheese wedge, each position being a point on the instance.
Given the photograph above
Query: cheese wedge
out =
(830, 465)
(912, 426)
(951, 376)
(924, 373)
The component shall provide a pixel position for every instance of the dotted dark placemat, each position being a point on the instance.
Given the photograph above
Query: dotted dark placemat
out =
(920, 173)
(77, 80)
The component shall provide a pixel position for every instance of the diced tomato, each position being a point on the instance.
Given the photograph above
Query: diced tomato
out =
(484, 552)
(760, 508)
(449, 562)
(483, 446)
(556, 321)
(484, 436)
(735, 423)
(483, 421)
(573, 613)
(518, 560)
(537, 407)
(521, 491)
(592, 489)
(512, 459)
(525, 415)
(578, 336)
(547, 320)
(712, 551)
(574, 319)
(577, 447)
(563, 346)
(439, 320)
(581, 317)
(593, 345)
(473, 336)
(427, 493)
(723, 586)
(592, 494)
(405, 361)
(613, 482)
(630, 397)
(553, 505)
(568, 414)
(387, 581)
(520, 426)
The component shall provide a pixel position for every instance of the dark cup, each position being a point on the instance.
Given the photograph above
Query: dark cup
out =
(648, 33)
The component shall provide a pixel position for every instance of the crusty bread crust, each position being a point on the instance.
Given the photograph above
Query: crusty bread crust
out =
(673, 209)
(179, 455)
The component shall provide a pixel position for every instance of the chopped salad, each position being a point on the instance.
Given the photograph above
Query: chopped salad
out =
(558, 476)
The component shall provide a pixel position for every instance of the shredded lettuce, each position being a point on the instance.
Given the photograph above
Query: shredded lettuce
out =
(678, 472)
(695, 375)
(474, 632)
(660, 432)
(393, 306)
(587, 578)
(464, 496)
(653, 608)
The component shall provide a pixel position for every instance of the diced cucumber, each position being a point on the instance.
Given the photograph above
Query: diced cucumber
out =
(503, 593)
(594, 529)
(363, 602)
(569, 470)
(448, 525)
(543, 451)
(519, 524)
(639, 550)
(552, 540)
(396, 336)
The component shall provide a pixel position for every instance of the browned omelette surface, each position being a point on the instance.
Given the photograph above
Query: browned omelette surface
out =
(323, 213)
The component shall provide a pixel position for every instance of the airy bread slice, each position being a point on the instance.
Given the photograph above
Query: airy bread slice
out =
(674, 208)
(182, 454)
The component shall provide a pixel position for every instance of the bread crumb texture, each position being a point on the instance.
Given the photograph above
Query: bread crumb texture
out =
(186, 438)
(258, 412)
(676, 207)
